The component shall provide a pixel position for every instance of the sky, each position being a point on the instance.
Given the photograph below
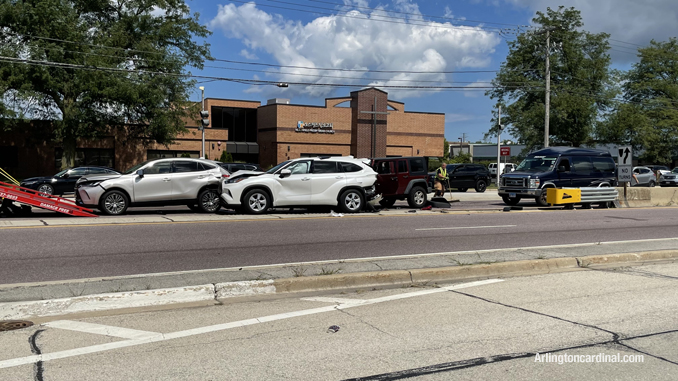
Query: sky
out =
(460, 43)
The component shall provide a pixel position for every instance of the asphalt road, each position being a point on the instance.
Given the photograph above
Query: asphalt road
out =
(59, 253)
(481, 331)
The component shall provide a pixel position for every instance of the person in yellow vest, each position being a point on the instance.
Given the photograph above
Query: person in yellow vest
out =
(441, 179)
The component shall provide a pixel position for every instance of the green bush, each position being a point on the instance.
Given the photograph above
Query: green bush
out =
(226, 157)
(185, 154)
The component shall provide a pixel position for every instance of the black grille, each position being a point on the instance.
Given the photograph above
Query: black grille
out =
(509, 182)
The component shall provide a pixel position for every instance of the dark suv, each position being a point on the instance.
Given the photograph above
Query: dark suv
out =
(465, 176)
(400, 178)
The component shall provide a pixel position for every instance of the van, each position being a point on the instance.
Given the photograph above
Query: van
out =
(557, 167)
(503, 168)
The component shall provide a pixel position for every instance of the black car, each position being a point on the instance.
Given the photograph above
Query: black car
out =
(235, 167)
(64, 181)
(465, 176)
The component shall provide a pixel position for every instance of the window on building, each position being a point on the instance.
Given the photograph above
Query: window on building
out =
(9, 157)
(241, 123)
(158, 154)
(318, 154)
(88, 156)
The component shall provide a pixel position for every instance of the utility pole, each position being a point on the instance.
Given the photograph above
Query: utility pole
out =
(374, 125)
(499, 145)
(202, 103)
(548, 88)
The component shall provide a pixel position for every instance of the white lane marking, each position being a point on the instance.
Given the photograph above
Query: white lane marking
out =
(470, 227)
(221, 327)
(334, 300)
(100, 329)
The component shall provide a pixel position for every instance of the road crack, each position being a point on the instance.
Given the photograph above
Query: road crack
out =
(366, 323)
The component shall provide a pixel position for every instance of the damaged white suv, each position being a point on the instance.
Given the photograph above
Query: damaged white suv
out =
(345, 182)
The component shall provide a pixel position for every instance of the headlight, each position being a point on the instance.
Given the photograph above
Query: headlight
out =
(534, 183)
(236, 180)
(92, 184)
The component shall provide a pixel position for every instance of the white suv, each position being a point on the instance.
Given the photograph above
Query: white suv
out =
(173, 181)
(343, 181)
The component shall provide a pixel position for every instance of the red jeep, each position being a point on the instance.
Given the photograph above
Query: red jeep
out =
(400, 178)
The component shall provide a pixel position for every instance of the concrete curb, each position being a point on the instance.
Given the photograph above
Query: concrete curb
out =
(394, 278)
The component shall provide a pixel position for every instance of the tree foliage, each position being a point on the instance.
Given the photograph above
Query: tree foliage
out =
(579, 81)
(120, 67)
(648, 119)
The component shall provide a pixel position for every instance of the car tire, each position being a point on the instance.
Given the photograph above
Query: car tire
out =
(256, 201)
(387, 202)
(481, 186)
(114, 203)
(208, 201)
(541, 200)
(462, 189)
(46, 189)
(417, 198)
(651, 184)
(351, 201)
(510, 200)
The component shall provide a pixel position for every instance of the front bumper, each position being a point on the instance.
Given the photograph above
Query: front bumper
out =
(88, 196)
(668, 182)
(230, 198)
(520, 192)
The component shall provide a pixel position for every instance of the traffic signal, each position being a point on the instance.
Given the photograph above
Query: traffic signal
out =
(205, 115)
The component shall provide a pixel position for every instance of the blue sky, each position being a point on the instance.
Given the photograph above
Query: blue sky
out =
(422, 39)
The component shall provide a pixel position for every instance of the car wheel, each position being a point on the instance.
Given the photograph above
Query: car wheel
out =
(462, 189)
(387, 202)
(208, 201)
(510, 200)
(113, 203)
(481, 186)
(416, 198)
(351, 201)
(46, 189)
(541, 200)
(257, 201)
(651, 184)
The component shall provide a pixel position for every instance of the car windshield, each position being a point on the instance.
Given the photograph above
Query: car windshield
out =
(135, 168)
(61, 173)
(675, 170)
(537, 164)
(274, 169)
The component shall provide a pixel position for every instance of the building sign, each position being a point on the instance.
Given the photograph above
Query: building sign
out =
(321, 128)
(505, 151)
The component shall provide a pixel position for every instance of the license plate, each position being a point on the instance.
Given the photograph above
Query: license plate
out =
(512, 195)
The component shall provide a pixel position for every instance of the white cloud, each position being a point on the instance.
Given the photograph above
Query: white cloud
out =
(248, 55)
(358, 43)
(455, 118)
(471, 93)
(626, 20)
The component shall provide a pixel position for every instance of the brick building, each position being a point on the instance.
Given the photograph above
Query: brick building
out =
(252, 132)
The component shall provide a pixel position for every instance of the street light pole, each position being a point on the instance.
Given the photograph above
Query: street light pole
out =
(548, 88)
(202, 102)
(499, 145)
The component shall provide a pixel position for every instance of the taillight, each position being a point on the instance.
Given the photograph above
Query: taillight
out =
(225, 176)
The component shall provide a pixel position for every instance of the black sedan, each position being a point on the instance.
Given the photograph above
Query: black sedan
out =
(64, 181)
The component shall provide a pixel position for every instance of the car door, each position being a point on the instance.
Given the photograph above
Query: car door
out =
(645, 175)
(327, 180)
(387, 179)
(403, 174)
(66, 184)
(155, 184)
(460, 177)
(295, 189)
(564, 172)
(187, 178)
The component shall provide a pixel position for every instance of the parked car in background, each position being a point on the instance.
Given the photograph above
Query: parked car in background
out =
(158, 182)
(64, 181)
(659, 169)
(503, 168)
(557, 167)
(235, 167)
(465, 176)
(669, 179)
(345, 182)
(401, 178)
(643, 177)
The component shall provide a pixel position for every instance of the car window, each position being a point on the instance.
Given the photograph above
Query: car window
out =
(384, 167)
(603, 164)
(185, 166)
(93, 170)
(350, 167)
(325, 166)
(300, 167)
(644, 171)
(75, 172)
(582, 164)
(402, 166)
(417, 166)
(205, 166)
(158, 168)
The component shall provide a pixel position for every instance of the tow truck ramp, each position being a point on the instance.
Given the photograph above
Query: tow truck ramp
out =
(14, 193)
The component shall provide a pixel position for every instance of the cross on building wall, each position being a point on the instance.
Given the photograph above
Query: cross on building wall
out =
(374, 113)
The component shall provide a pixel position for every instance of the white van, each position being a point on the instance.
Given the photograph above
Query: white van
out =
(503, 168)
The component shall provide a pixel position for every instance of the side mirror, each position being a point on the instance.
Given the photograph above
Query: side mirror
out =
(66, 175)
(561, 168)
(140, 173)
(285, 173)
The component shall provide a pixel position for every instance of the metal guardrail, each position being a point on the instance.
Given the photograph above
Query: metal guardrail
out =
(598, 194)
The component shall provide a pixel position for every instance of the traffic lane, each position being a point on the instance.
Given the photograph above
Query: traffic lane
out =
(487, 331)
(45, 254)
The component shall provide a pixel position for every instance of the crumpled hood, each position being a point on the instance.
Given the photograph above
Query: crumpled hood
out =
(97, 178)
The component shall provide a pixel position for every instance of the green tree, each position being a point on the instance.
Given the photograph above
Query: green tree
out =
(99, 67)
(580, 79)
(226, 157)
(446, 148)
(648, 119)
